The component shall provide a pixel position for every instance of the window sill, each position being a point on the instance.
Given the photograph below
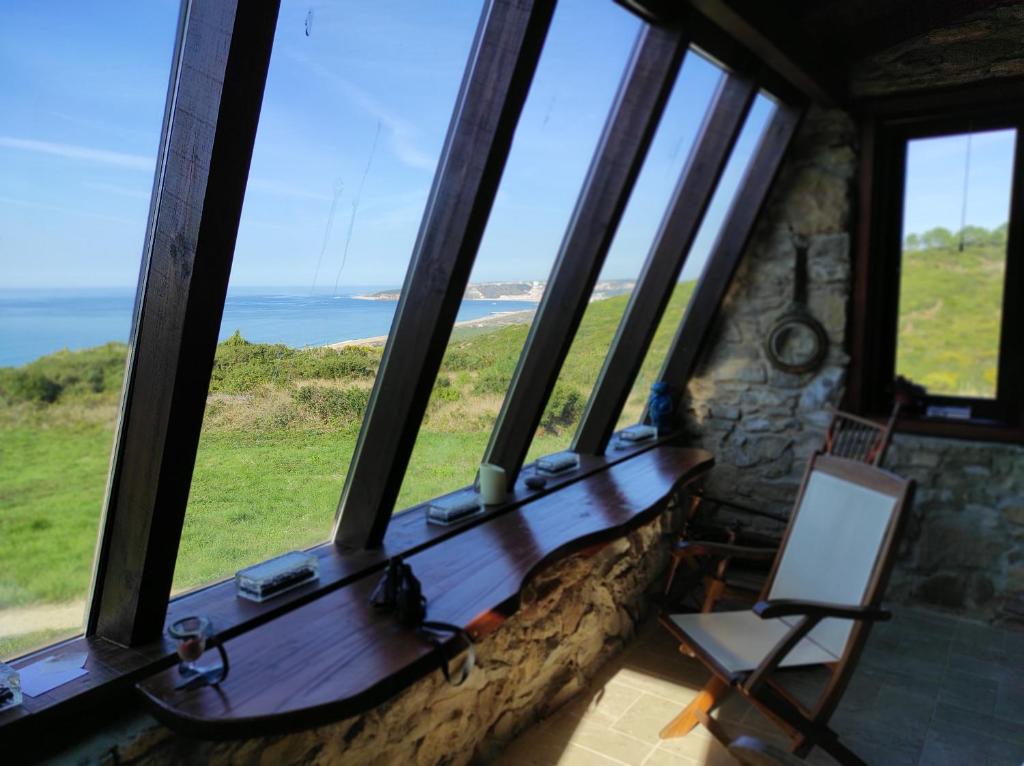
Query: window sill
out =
(973, 430)
(114, 669)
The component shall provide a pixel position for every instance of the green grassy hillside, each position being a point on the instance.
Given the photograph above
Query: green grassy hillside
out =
(279, 431)
(950, 311)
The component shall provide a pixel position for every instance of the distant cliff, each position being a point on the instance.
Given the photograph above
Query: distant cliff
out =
(515, 291)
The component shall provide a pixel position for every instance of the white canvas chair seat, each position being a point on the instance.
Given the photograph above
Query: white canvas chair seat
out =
(739, 641)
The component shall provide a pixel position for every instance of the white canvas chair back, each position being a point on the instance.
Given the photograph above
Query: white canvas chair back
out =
(842, 524)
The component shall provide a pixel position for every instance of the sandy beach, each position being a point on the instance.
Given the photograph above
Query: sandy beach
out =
(490, 322)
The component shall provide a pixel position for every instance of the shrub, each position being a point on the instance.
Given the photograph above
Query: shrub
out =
(66, 374)
(241, 366)
(565, 407)
(31, 386)
(491, 381)
(333, 406)
(445, 394)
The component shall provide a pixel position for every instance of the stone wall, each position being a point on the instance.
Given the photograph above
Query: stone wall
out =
(763, 424)
(981, 47)
(964, 545)
(574, 616)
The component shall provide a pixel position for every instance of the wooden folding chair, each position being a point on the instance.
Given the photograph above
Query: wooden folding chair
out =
(820, 599)
(848, 436)
(856, 438)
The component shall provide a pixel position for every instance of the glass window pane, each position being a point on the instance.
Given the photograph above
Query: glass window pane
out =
(580, 69)
(687, 104)
(358, 101)
(955, 210)
(742, 153)
(82, 93)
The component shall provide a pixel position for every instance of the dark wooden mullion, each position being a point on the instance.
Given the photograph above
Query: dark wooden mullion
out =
(1010, 381)
(654, 288)
(216, 93)
(691, 337)
(501, 66)
(627, 135)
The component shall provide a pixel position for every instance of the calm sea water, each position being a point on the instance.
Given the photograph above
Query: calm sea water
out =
(38, 322)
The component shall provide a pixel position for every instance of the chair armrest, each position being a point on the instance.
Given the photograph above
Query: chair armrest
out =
(810, 614)
(724, 550)
(819, 610)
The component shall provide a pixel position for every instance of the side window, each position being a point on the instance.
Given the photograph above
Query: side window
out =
(956, 203)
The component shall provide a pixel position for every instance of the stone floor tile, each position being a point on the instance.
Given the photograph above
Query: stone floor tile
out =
(704, 753)
(662, 687)
(602, 739)
(1009, 702)
(896, 709)
(882, 751)
(575, 755)
(966, 690)
(993, 670)
(948, 747)
(605, 703)
(647, 716)
(972, 722)
(692, 745)
(1013, 644)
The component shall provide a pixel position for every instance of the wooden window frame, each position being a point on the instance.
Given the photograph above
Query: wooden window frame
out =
(711, 150)
(221, 58)
(692, 336)
(218, 75)
(502, 64)
(629, 130)
(878, 257)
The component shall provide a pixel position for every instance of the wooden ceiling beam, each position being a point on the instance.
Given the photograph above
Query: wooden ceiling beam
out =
(775, 41)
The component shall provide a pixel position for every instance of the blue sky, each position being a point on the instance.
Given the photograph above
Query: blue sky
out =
(935, 181)
(354, 118)
(368, 91)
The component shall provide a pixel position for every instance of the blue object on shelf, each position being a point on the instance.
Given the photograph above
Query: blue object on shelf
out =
(659, 405)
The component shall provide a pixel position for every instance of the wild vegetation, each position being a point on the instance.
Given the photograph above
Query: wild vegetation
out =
(951, 309)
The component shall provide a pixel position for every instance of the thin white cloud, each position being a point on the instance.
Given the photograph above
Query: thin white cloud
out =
(401, 135)
(68, 211)
(88, 154)
(119, 190)
(280, 189)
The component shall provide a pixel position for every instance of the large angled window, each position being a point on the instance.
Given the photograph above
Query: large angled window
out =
(81, 104)
(354, 116)
(676, 132)
(586, 51)
(696, 261)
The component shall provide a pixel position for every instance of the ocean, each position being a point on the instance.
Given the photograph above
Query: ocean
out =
(34, 322)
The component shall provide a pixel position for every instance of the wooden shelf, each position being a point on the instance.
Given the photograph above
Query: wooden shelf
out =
(336, 656)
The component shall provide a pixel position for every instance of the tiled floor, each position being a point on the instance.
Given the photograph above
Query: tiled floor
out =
(931, 689)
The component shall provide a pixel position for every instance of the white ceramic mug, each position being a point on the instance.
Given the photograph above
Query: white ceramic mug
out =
(493, 484)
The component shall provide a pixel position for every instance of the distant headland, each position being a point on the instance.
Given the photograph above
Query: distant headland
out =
(530, 290)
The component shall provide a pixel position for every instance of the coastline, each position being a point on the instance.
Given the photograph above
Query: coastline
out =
(493, 321)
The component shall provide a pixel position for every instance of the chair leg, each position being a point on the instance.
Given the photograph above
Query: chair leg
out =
(705, 701)
(714, 588)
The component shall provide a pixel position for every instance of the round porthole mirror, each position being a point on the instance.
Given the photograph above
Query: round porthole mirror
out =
(797, 343)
